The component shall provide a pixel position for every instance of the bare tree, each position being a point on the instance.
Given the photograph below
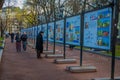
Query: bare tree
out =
(47, 8)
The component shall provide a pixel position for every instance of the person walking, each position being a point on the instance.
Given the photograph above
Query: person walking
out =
(6, 35)
(71, 47)
(12, 37)
(18, 42)
(39, 44)
(24, 41)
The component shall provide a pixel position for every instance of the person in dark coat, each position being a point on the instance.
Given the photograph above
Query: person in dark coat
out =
(12, 37)
(71, 47)
(18, 42)
(24, 40)
(39, 44)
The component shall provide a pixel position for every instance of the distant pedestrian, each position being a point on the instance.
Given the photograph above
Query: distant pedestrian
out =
(6, 35)
(39, 44)
(24, 41)
(12, 37)
(18, 42)
(71, 47)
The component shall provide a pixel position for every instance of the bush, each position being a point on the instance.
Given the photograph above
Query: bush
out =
(1, 39)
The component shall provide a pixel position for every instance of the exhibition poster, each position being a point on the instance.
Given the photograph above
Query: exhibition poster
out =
(39, 28)
(73, 30)
(30, 33)
(97, 29)
(51, 31)
(60, 31)
(44, 29)
(35, 28)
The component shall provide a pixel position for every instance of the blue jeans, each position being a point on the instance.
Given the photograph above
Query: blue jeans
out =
(24, 45)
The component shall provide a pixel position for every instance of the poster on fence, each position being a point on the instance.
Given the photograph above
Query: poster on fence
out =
(73, 30)
(44, 29)
(97, 29)
(51, 31)
(35, 33)
(27, 32)
(32, 32)
(39, 28)
(60, 31)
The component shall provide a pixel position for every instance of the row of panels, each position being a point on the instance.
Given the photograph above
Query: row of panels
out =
(96, 29)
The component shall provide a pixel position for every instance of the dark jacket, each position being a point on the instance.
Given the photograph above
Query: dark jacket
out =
(39, 42)
(17, 38)
(24, 37)
(12, 35)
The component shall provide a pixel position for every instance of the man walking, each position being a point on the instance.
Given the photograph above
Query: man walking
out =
(18, 42)
(24, 41)
(39, 44)
(12, 37)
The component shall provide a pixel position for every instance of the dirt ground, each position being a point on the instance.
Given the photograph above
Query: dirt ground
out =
(25, 66)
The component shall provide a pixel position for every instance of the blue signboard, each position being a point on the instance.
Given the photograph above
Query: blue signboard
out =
(22, 31)
(27, 32)
(30, 32)
(39, 28)
(60, 31)
(44, 29)
(34, 32)
(73, 30)
(97, 29)
(51, 31)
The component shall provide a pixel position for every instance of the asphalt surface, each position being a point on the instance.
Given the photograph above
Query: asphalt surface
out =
(25, 66)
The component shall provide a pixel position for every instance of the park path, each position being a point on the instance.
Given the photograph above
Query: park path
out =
(25, 66)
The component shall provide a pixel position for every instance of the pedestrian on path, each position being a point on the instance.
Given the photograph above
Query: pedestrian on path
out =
(24, 41)
(71, 47)
(18, 42)
(39, 44)
(12, 37)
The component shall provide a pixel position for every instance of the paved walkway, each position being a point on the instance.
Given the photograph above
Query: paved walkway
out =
(25, 65)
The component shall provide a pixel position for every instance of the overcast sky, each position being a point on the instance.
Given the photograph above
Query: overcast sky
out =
(18, 3)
